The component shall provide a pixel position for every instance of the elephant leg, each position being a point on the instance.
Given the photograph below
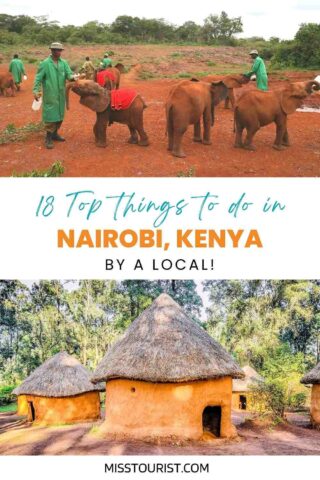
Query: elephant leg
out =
(285, 139)
(251, 131)
(231, 97)
(238, 140)
(197, 132)
(100, 130)
(226, 102)
(177, 141)
(207, 127)
(170, 133)
(144, 140)
(134, 139)
(280, 131)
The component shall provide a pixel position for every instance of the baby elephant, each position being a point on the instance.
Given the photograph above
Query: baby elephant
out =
(231, 81)
(256, 109)
(7, 82)
(187, 103)
(121, 106)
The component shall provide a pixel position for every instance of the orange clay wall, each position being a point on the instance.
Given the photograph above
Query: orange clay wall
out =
(315, 404)
(65, 409)
(141, 409)
(22, 405)
(236, 401)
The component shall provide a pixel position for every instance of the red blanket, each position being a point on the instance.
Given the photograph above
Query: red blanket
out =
(101, 77)
(122, 99)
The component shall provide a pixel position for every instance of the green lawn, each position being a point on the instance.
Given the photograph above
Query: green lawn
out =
(11, 407)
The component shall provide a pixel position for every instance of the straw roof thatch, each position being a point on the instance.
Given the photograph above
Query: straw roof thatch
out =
(60, 376)
(164, 345)
(251, 378)
(312, 377)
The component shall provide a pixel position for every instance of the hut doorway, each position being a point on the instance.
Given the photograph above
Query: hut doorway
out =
(243, 402)
(32, 413)
(211, 420)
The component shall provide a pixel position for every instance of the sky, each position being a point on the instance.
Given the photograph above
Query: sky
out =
(264, 19)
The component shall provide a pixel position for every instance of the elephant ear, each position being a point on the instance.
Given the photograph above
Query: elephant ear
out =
(97, 103)
(219, 91)
(232, 82)
(290, 100)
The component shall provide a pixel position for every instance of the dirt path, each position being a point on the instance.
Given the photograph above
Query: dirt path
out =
(82, 439)
(80, 157)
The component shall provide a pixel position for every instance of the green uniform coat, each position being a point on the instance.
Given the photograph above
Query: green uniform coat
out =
(17, 69)
(106, 62)
(259, 69)
(52, 78)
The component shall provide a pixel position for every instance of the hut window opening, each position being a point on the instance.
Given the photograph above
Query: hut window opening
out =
(243, 402)
(133, 389)
(32, 413)
(211, 420)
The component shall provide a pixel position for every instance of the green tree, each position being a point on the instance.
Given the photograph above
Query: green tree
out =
(220, 28)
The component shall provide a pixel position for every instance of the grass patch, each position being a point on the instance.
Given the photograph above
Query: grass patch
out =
(11, 407)
(211, 64)
(56, 170)
(12, 134)
(188, 173)
(146, 75)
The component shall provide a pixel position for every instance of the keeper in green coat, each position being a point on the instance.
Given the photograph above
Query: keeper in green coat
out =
(16, 67)
(259, 70)
(106, 62)
(51, 78)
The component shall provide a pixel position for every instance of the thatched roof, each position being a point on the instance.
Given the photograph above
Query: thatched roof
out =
(164, 345)
(251, 378)
(312, 377)
(60, 376)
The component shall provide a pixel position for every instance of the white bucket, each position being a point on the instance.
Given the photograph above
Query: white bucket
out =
(36, 105)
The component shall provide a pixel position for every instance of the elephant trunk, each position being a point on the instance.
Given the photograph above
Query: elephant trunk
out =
(68, 88)
(311, 86)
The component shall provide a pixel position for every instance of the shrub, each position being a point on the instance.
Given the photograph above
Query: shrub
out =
(270, 396)
(6, 396)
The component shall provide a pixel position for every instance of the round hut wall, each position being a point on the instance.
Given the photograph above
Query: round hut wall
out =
(139, 409)
(53, 410)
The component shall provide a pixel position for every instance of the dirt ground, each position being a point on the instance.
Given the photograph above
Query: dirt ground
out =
(159, 69)
(292, 438)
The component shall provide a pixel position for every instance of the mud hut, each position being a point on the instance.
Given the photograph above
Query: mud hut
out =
(313, 378)
(166, 377)
(59, 391)
(242, 398)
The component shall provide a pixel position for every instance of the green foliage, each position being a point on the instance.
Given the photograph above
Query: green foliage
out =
(303, 51)
(6, 394)
(272, 325)
(220, 29)
(21, 29)
(270, 396)
(83, 319)
(188, 173)
(12, 134)
(11, 407)
(56, 170)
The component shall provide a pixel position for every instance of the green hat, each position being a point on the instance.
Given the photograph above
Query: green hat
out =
(56, 46)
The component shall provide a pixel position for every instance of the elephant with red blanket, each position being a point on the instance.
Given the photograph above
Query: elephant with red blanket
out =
(109, 77)
(121, 106)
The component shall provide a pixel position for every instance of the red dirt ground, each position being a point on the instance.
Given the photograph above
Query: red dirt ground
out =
(285, 439)
(80, 157)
